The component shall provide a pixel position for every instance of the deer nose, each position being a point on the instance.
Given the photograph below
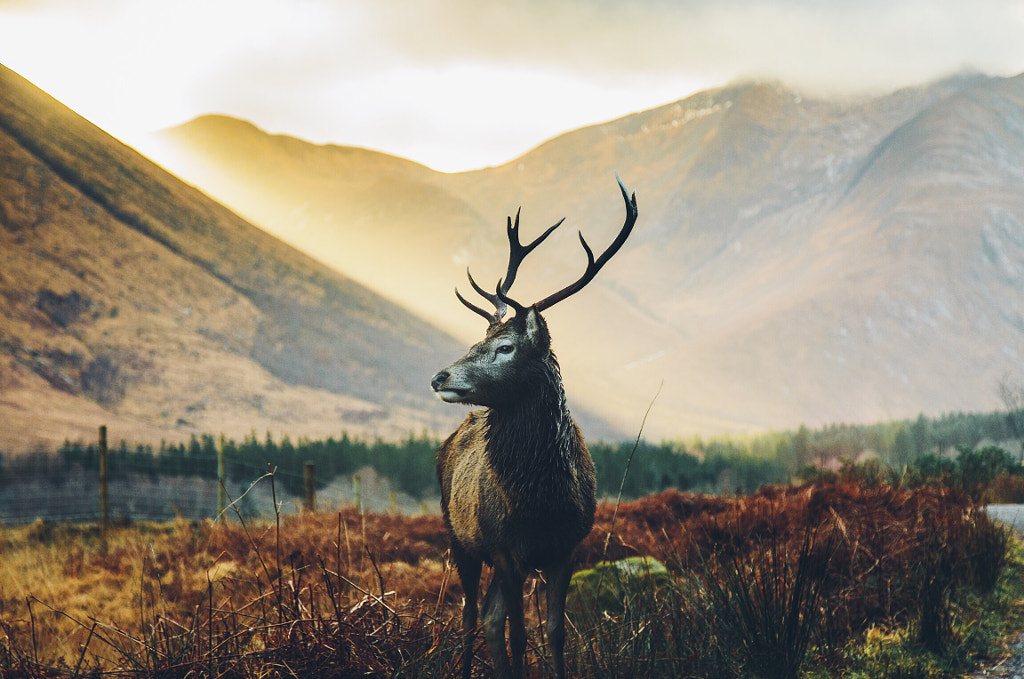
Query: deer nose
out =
(439, 379)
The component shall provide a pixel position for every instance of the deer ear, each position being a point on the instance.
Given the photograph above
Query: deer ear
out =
(537, 329)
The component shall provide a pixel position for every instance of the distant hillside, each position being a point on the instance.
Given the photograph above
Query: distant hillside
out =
(796, 259)
(371, 215)
(130, 299)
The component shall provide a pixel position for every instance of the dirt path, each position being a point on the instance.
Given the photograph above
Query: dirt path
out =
(1011, 514)
(1011, 667)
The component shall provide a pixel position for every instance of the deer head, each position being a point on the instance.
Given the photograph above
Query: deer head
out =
(498, 368)
(493, 369)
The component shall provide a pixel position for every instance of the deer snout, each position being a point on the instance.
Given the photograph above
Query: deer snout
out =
(439, 379)
(450, 388)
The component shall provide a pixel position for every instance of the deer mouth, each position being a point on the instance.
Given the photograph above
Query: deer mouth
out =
(447, 388)
(452, 395)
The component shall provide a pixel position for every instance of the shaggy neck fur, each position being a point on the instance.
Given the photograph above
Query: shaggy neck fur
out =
(530, 440)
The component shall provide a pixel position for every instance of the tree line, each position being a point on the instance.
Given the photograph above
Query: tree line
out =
(714, 465)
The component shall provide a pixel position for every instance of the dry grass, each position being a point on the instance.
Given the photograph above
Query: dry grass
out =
(345, 594)
(63, 588)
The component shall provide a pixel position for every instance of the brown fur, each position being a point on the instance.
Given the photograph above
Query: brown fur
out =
(517, 486)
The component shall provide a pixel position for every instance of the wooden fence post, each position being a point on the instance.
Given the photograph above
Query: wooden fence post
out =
(357, 492)
(309, 487)
(104, 489)
(222, 493)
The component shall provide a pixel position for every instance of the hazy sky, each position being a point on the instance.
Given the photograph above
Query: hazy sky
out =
(460, 84)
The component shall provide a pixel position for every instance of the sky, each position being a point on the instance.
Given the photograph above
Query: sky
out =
(463, 84)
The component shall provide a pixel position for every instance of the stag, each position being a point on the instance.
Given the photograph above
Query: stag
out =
(517, 481)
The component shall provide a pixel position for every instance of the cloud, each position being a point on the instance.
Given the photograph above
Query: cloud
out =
(862, 44)
(462, 83)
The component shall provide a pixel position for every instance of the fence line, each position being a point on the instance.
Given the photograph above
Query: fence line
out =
(104, 485)
(51, 488)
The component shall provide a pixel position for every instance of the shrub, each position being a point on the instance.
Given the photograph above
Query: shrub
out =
(767, 598)
(62, 310)
(1005, 490)
(104, 381)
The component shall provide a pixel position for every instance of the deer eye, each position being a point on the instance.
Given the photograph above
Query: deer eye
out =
(505, 348)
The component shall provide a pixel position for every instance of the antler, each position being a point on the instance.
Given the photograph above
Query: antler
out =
(593, 266)
(516, 253)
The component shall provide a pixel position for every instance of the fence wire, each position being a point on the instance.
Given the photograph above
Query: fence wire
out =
(45, 487)
(52, 492)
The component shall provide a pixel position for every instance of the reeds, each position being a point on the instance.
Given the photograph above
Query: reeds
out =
(767, 600)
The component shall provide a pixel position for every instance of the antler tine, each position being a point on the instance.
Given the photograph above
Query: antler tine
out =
(593, 266)
(473, 307)
(499, 305)
(508, 300)
(517, 251)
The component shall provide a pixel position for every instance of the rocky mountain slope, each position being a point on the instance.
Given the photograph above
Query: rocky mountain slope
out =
(796, 259)
(130, 299)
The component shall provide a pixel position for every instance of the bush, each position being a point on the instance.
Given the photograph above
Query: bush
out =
(104, 381)
(1005, 490)
(609, 586)
(978, 468)
(767, 599)
(62, 310)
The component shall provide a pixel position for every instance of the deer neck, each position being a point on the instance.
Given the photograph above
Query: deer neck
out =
(534, 436)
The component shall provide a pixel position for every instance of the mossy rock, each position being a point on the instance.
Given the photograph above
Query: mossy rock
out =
(613, 585)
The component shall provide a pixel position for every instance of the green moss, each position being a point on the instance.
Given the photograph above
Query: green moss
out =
(610, 585)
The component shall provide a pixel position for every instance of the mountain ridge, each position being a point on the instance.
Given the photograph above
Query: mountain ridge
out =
(796, 259)
(133, 300)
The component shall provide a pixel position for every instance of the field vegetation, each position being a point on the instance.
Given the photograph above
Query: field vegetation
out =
(849, 576)
(797, 555)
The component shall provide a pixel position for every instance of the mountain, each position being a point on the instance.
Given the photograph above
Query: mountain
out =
(130, 299)
(796, 259)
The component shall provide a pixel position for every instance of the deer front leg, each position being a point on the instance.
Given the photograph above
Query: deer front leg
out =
(469, 575)
(495, 613)
(512, 592)
(558, 577)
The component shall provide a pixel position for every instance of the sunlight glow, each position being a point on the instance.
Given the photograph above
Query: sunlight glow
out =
(457, 84)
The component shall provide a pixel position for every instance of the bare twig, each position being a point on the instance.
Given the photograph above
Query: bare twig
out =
(277, 544)
(85, 647)
(629, 461)
(59, 612)
(32, 621)
(380, 580)
(245, 527)
(444, 583)
(231, 504)
(365, 592)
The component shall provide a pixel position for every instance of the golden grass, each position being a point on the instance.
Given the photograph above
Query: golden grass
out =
(56, 580)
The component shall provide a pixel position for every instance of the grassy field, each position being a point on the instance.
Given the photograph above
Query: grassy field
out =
(822, 580)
